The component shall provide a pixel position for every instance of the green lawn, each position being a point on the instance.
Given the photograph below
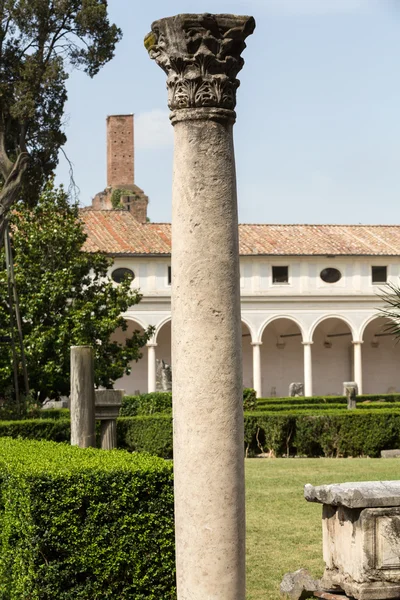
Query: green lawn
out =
(283, 530)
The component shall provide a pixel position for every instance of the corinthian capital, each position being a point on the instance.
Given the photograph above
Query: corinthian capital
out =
(201, 55)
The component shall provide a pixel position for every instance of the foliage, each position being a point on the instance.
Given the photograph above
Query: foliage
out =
(79, 524)
(161, 402)
(66, 299)
(303, 400)
(56, 430)
(146, 433)
(146, 404)
(249, 399)
(41, 41)
(116, 195)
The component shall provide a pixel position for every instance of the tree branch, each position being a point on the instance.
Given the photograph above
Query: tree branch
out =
(11, 189)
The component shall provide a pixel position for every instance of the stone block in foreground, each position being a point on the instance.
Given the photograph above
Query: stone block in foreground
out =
(361, 537)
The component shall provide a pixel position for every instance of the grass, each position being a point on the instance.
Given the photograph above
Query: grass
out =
(283, 530)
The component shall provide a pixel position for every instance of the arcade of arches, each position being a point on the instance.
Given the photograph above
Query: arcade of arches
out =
(323, 358)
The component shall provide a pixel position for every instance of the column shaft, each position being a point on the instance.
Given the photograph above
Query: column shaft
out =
(308, 382)
(358, 365)
(151, 367)
(207, 366)
(257, 379)
(82, 397)
(108, 434)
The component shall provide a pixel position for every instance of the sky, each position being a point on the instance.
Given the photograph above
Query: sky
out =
(317, 138)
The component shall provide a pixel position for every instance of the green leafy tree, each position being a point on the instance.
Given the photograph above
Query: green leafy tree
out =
(41, 41)
(66, 298)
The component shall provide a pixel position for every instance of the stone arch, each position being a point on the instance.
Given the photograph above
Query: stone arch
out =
(160, 325)
(162, 338)
(281, 355)
(276, 317)
(332, 354)
(332, 316)
(365, 324)
(136, 381)
(380, 358)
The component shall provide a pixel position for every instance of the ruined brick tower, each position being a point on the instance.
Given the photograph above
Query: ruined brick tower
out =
(121, 192)
(120, 158)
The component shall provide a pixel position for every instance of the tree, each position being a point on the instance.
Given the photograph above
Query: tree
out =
(390, 294)
(40, 40)
(66, 299)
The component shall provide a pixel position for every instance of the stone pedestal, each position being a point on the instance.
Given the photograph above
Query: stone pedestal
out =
(361, 537)
(107, 405)
(201, 55)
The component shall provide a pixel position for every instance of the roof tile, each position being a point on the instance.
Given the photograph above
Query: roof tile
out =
(118, 232)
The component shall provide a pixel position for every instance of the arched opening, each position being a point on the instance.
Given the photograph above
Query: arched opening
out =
(332, 357)
(136, 381)
(247, 353)
(380, 359)
(163, 349)
(281, 357)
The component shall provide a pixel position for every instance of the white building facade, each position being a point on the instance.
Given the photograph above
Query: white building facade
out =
(310, 302)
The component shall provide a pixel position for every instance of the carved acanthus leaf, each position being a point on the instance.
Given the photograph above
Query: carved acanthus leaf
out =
(201, 55)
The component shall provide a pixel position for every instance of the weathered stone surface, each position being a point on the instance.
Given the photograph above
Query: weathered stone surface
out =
(298, 585)
(107, 404)
(361, 549)
(390, 453)
(163, 376)
(355, 494)
(350, 390)
(296, 389)
(201, 54)
(83, 432)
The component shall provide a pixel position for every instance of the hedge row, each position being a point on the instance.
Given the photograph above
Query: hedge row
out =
(329, 433)
(78, 524)
(299, 400)
(320, 432)
(161, 402)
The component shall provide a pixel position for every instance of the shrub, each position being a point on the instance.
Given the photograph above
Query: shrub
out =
(79, 524)
(146, 404)
(146, 434)
(57, 430)
(249, 399)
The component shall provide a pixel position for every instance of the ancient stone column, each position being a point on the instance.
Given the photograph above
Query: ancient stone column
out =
(201, 55)
(307, 369)
(82, 397)
(358, 365)
(257, 377)
(151, 367)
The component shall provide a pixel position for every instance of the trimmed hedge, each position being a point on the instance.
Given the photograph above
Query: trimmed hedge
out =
(146, 434)
(299, 400)
(56, 430)
(161, 402)
(146, 404)
(325, 433)
(328, 430)
(78, 524)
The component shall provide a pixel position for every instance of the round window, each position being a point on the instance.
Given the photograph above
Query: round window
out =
(118, 275)
(330, 275)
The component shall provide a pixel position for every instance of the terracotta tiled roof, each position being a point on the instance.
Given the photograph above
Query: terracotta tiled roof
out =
(117, 232)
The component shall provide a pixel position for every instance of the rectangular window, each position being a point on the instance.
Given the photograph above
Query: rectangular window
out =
(379, 274)
(169, 275)
(280, 274)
